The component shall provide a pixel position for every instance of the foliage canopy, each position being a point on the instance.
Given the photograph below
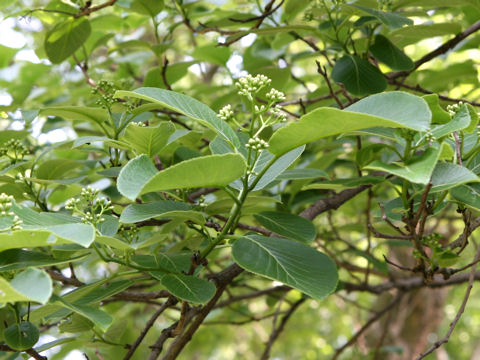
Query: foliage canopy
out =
(172, 169)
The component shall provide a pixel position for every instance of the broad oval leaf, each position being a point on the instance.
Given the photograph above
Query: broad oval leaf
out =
(29, 285)
(140, 176)
(148, 140)
(468, 195)
(393, 109)
(189, 288)
(289, 262)
(289, 225)
(185, 105)
(65, 38)
(22, 336)
(358, 76)
(389, 54)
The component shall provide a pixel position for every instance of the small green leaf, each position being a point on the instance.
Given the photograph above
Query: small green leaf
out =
(148, 140)
(289, 225)
(189, 288)
(21, 336)
(147, 7)
(65, 38)
(185, 105)
(341, 184)
(390, 55)
(289, 262)
(139, 176)
(300, 174)
(468, 195)
(29, 285)
(138, 212)
(460, 121)
(358, 76)
(448, 175)
(392, 20)
(418, 171)
(439, 116)
(82, 113)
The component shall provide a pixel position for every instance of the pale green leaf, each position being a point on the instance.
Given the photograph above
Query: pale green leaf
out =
(185, 105)
(140, 176)
(29, 285)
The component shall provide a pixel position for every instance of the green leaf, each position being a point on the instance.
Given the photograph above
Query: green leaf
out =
(460, 121)
(6, 55)
(300, 174)
(289, 262)
(468, 195)
(148, 140)
(274, 170)
(82, 113)
(185, 105)
(212, 54)
(29, 285)
(448, 175)
(418, 171)
(341, 184)
(138, 212)
(392, 20)
(139, 176)
(81, 234)
(99, 317)
(291, 226)
(55, 168)
(15, 259)
(65, 38)
(439, 116)
(189, 288)
(394, 109)
(390, 55)
(147, 7)
(358, 76)
(21, 336)
(413, 34)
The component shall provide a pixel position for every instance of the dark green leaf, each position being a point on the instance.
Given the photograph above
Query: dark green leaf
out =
(358, 76)
(390, 55)
(289, 225)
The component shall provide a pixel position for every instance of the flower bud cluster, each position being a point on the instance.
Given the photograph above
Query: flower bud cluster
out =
(249, 85)
(6, 203)
(226, 113)
(275, 96)
(429, 137)
(279, 114)
(105, 90)
(16, 147)
(256, 143)
(129, 233)
(89, 206)
(454, 108)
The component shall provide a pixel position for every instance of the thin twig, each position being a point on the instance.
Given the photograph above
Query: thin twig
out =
(277, 331)
(369, 323)
(171, 301)
(445, 339)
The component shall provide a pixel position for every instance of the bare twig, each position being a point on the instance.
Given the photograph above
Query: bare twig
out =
(369, 323)
(278, 330)
(171, 301)
(445, 339)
